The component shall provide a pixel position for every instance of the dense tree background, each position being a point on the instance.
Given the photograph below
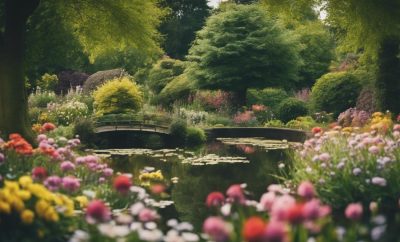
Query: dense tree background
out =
(243, 47)
(180, 25)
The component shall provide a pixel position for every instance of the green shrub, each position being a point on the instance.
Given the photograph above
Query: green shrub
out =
(179, 88)
(274, 123)
(270, 97)
(178, 132)
(217, 120)
(195, 136)
(85, 129)
(62, 131)
(335, 92)
(47, 82)
(34, 114)
(163, 72)
(305, 122)
(117, 96)
(40, 99)
(291, 108)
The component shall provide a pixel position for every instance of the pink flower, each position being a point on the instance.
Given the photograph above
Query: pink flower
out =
(217, 229)
(324, 157)
(53, 183)
(275, 232)
(313, 210)
(97, 211)
(70, 183)
(2, 158)
(215, 199)
(147, 215)
(108, 172)
(373, 149)
(306, 190)
(235, 192)
(41, 137)
(67, 166)
(80, 160)
(354, 211)
(267, 200)
(91, 159)
(39, 173)
(279, 209)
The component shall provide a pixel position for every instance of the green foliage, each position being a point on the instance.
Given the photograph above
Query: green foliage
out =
(306, 123)
(274, 123)
(163, 72)
(66, 113)
(183, 20)
(217, 120)
(335, 92)
(85, 129)
(100, 77)
(242, 47)
(291, 108)
(316, 52)
(40, 99)
(117, 96)
(179, 88)
(269, 97)
(47, 82)
(178, 131)
(195, 136)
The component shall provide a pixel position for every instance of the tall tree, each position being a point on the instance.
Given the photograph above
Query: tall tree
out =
(242, 47)
(366, 25)
(98, 25)
(179, 27)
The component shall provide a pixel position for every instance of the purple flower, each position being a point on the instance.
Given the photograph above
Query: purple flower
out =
(67, 166)
(70, 183)
(379, 181)
(108, 172)
(53, 183)
(373, 149)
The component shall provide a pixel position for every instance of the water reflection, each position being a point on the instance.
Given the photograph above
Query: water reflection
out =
(221, 166)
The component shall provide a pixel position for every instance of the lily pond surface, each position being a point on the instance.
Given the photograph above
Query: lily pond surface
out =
(193, 174)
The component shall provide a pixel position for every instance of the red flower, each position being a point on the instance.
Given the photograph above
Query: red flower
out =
(46, 127)
(316, 130)
(122, 184)
(97, 211)
(254, 229)
(215, 199)
(157, 188)
(39, 173)
(295, 213)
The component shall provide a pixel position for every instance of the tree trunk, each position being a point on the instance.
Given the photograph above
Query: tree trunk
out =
(13, 96)
(388, 79)
(241, 98)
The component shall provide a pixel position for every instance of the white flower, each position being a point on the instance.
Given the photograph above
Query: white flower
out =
(379, 181)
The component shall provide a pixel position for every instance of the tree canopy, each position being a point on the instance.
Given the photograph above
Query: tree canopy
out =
(243, 47)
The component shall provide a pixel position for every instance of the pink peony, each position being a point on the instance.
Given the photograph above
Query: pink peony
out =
(306, 190)
(354, 211)
(217, 229)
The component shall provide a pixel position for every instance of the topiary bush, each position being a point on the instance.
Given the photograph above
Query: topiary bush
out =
(163, 72)
(179, 88)
(178, 131)
(118, 96)
(97, 79)
(195, 136)
(290, 109)
(335, 92)
(270, 97)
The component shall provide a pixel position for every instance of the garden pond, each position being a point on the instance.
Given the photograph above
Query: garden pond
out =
(193, 174)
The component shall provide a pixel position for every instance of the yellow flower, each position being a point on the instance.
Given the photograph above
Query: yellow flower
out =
(11, 186)
(82, 200)
(24, 195)
(41, 207)
(51, 215)
(25, 181)
(5, 207)
(17, 204)
(27, 216)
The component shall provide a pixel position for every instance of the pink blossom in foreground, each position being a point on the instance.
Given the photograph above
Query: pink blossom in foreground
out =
(354, 211)
(306, 190)
(217, 229)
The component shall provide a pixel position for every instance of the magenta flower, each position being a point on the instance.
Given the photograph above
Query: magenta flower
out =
(354, 211)
(235, 193)
(275, 231)
(215, 199)
(67, 166)
(53, 183)
(80, 160)
(306, 190)
(217, 229)
(97, 211)
(279, 209)
(70, 183)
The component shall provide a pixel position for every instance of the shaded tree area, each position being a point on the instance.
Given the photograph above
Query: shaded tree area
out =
(180, 25)
(96, 26)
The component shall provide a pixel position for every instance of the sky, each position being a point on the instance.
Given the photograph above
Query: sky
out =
(213, 3)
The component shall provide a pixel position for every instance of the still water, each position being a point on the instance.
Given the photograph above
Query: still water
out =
(193, 174)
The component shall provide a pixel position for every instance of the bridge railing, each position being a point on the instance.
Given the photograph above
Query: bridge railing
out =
(140, 124)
